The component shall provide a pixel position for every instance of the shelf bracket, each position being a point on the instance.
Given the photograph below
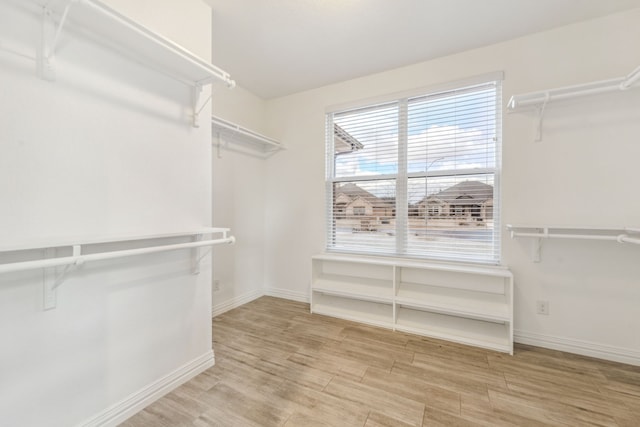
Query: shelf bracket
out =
(49, 299)
(195, 255)
(196, 94)
(540, 111)
(52, 279)
(50, 37)
(77, 251)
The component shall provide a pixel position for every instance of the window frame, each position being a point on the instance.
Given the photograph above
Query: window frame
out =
(402, 177)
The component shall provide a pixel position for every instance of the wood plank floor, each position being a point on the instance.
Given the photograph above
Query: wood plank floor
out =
(278, 365)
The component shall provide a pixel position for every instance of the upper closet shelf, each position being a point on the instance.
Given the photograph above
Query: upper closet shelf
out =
(539, 100)
(94, 18)
(72, 254)
(539, 232)
(263, 146)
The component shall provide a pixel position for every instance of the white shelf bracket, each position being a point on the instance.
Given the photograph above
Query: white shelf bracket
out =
(536, 249)
(52, 279)
(540, 111)
(197, 109)
(49, 299)
(50, 37)
(195, 256)
(77, 252)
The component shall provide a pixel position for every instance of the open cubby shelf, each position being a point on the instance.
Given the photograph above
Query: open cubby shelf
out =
(371, 313)
(471, 305)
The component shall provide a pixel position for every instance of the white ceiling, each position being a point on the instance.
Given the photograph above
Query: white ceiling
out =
(278, 47)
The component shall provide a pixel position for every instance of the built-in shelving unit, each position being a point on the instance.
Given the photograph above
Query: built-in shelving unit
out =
(541, 232)
(226, 134)
(538, 101)
(462, 303)
(98, 21)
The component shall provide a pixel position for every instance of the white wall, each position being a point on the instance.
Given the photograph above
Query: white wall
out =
(584, 172)
(105, 150)
(239, 203)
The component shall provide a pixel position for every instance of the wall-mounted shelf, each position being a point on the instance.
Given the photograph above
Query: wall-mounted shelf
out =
(539, 100)
(53, 278)
(468, 304)
(540, 232)
(127, 36)
(226, 132)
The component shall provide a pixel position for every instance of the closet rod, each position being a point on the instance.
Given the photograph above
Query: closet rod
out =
(567, 92)
(81, 259)
(621, 235)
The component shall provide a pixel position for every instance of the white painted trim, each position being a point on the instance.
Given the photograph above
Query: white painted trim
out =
(585, 348)
(234, 302)
(116, 414)
(287, 294)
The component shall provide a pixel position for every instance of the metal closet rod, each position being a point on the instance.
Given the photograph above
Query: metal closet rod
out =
(602, 86)
(79, 259)
(623, 235)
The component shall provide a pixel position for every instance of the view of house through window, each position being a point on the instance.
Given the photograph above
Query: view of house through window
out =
(418, 176)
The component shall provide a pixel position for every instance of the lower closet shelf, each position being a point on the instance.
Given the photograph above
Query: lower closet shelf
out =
(371, 313)
(490, 335)
(357, 288)
(458, 302)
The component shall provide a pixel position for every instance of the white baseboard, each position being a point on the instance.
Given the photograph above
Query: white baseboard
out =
(224, 306)
(287, 294)
(584, 348)
(134, 403)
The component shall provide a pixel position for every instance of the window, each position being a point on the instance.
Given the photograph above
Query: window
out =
(434, 210)
(425, 172)
(359, 210)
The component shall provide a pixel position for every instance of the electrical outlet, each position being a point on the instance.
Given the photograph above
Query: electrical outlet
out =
(542, 307)
(216, 285)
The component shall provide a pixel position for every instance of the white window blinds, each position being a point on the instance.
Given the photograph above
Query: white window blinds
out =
(418, 176)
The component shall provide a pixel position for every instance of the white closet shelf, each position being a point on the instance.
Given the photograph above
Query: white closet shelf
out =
(540, 232)
(374, 290)
(119, 30)
(494, 336)
(459, 302)
(474, 269)
(136, 41)
(52, 278)
(539, 100)
(370, 313)
(535, 99)
(94, 240)
(220, 126)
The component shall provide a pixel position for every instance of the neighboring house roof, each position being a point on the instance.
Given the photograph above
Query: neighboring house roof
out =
(342, 199)
(344, 142)
(353, 191)
(463, 193)
(360, 201)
